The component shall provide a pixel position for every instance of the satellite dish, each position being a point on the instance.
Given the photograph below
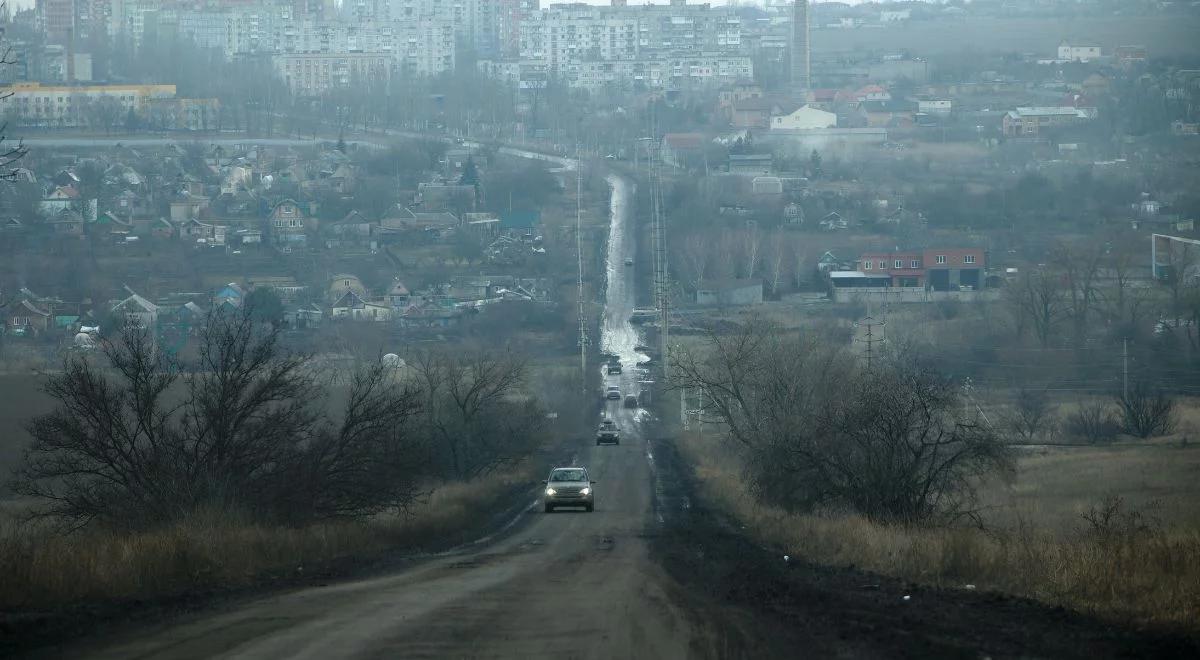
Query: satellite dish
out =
(392, 361)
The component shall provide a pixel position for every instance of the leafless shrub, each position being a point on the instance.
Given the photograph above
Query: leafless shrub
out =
(1146, 410)
(1092, 421)
(817, 433)
(136, 441)
(1031, 415)
(1112, 521)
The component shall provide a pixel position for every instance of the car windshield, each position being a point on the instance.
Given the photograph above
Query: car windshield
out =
(568, 475)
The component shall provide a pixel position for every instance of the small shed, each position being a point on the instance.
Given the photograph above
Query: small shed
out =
(730, 292)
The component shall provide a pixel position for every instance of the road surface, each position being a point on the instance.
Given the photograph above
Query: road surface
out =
(566, 585)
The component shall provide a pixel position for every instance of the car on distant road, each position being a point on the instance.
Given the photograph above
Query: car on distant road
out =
(568, 487)
(613, 393)
(608, 433)
(629, 262)
(631, 401)
(614, 368)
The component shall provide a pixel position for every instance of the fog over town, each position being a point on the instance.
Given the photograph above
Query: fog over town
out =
(609, 329)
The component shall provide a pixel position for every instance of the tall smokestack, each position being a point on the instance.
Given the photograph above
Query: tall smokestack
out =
(801, 67)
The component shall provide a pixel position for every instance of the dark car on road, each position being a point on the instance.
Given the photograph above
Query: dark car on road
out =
(614, 369)
(608, 433)
(613, 393)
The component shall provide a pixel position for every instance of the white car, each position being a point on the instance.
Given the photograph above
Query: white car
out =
(613, 393)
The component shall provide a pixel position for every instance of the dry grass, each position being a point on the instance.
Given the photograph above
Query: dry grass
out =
(39, 569)
(1041, 548)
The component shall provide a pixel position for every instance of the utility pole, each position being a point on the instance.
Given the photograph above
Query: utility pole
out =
(583, 336)
(871, 338)
(1125, 369)
(660, 264)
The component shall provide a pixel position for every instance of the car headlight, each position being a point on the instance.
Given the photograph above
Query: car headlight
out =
(586, 491)
(551, 491)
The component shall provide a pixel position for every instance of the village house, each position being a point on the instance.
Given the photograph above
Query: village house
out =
(353, 307)
(803, 119)
(195, 231)
(137, 311)
(353, 230)
(27, 319)
(341, 283)
(757, 112)
(289, 225)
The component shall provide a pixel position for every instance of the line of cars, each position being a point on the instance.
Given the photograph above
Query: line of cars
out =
(571, 486)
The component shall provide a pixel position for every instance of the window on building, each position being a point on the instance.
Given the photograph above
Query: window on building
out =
(882, 264)
(899, 263)
(867, 265)
(941, 259)
(914, 264)
(969, 259)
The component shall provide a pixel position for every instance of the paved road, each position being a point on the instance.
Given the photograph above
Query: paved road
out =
(566, 585)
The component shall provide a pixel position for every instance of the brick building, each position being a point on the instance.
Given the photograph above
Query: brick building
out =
(938, 269)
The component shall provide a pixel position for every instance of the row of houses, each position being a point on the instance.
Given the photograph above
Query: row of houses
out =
(345, 299)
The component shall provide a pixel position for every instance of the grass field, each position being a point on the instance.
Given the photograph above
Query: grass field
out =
(20, 399)
(1142, 565)
(39, 569)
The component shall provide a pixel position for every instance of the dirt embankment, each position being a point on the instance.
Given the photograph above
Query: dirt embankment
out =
(773, 606)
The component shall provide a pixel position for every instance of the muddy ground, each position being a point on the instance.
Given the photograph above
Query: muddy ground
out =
(791, 608)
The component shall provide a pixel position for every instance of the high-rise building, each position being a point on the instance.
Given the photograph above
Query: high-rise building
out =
(57, 18)
(801, 68)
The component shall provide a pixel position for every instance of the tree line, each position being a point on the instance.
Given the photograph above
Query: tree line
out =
(140, 439)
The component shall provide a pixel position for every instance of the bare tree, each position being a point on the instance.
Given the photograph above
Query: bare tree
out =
(1092, 421)
(1125, 303)
(10, 152)
(474, 410)
(751, 246)
(798, 262)
(373, 461)
(775, 268)
(1080, 265)
(813, 432)
(724, 256)
(138, 441)
(1182, 266)
(1146, 410)
(1031, 415)
(1037, 302)
(696, 257)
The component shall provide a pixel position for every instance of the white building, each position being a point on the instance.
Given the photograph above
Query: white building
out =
(804, 118)
(1076, 53)
(935, 106)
